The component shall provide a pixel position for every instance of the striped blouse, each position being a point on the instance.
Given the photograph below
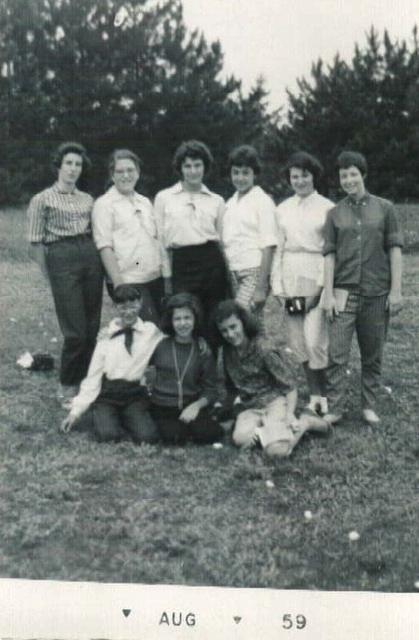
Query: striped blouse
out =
(54, 214)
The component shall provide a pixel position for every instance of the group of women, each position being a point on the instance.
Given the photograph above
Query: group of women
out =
(172, 266)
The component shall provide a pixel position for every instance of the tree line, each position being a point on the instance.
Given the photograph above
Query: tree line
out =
(113, 74)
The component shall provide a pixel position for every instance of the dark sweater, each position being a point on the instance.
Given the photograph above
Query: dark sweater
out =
(199, 380)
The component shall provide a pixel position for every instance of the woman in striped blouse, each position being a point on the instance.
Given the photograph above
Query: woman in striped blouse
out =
(62, 245)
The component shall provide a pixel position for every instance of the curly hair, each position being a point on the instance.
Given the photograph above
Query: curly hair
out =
(194, 149)
(122, 154)
(180, 301)
(245, 156)
(70, 147)
(306, 162)
(348, 159)
(228, 308)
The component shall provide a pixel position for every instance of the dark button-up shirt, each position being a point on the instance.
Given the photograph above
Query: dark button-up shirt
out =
(54, 215)
(361, 233)
(259, 375)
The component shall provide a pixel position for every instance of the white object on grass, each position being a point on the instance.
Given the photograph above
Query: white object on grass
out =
(217, 445)
(308, 515)
(54, 339)
(25, 360)
(389, 390)
(353, 536)
(270, 484)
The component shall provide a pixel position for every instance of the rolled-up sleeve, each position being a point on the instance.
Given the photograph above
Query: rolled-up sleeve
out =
(393, 234)
(102, 224)
(92, 383)
(329, 234)
(36, 218)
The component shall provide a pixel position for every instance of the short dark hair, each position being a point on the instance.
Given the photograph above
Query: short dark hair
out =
(125, 293)
(228, 308)
(348, 159)
(194, 149)
(306, 162)
(245, 156)
(122, 154)
(179, 301)
(70, 147)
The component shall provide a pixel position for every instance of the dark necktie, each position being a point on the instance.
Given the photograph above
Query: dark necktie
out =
(128, 333)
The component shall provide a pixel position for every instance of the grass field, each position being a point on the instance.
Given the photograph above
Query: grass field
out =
(75, 510)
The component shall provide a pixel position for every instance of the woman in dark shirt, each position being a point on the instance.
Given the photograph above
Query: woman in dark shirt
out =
(363, 268)
(184, 376)
(260, 378)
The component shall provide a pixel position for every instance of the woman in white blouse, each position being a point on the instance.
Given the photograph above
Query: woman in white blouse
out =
(189, 216)
(125, 232)
(297, 273)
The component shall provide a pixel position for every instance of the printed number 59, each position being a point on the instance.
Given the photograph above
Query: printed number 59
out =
(288, 621)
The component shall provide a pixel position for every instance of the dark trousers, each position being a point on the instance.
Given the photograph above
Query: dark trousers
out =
(203, 430)
(152, 295)
(122, 409)
(200, 269)
(369, 318)
(76, 276)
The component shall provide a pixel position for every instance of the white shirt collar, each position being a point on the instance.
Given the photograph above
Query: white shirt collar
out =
(178, 188)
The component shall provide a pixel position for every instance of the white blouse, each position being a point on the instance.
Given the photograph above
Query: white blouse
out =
(298, 263)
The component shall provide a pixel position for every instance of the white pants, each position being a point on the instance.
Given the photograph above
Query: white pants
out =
(307, 337)
(268, 425)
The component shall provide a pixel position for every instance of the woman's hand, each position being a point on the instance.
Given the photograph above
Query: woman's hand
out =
(311, 302)
(330, 307)
(190, 413)
(68, 423)
(394, 302)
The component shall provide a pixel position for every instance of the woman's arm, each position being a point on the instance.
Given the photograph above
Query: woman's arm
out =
(394, 300)
(37, 252)
(329, 302)
(291, 397)
(190, 413)
(110, 263)
(262, 287)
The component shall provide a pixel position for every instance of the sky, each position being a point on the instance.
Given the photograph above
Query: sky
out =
(279, 39)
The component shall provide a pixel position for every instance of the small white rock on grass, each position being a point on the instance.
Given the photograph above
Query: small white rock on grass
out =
(217, 445)
(308, 515)
(353, 536)
(270, 484)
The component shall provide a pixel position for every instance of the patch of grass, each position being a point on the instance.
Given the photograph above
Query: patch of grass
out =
(72, 509)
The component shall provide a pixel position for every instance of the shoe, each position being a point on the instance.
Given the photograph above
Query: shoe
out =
(370, 416)
(332, 418)
(314, 404)
(324, 407)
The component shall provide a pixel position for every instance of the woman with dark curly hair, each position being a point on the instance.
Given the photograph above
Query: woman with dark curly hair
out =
(61, 243)
(189, 216)
(297, 272)
(185, 376)
(261, 385)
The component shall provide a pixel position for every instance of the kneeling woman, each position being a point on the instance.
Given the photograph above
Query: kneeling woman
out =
(260, 379)
(113, 383)
(185, 377)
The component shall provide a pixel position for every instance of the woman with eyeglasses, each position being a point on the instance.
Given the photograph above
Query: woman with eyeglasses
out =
(126, 235)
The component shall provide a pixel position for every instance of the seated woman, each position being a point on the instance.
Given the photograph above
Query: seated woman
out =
(185, 376)
(261, 379)
(112, 385)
